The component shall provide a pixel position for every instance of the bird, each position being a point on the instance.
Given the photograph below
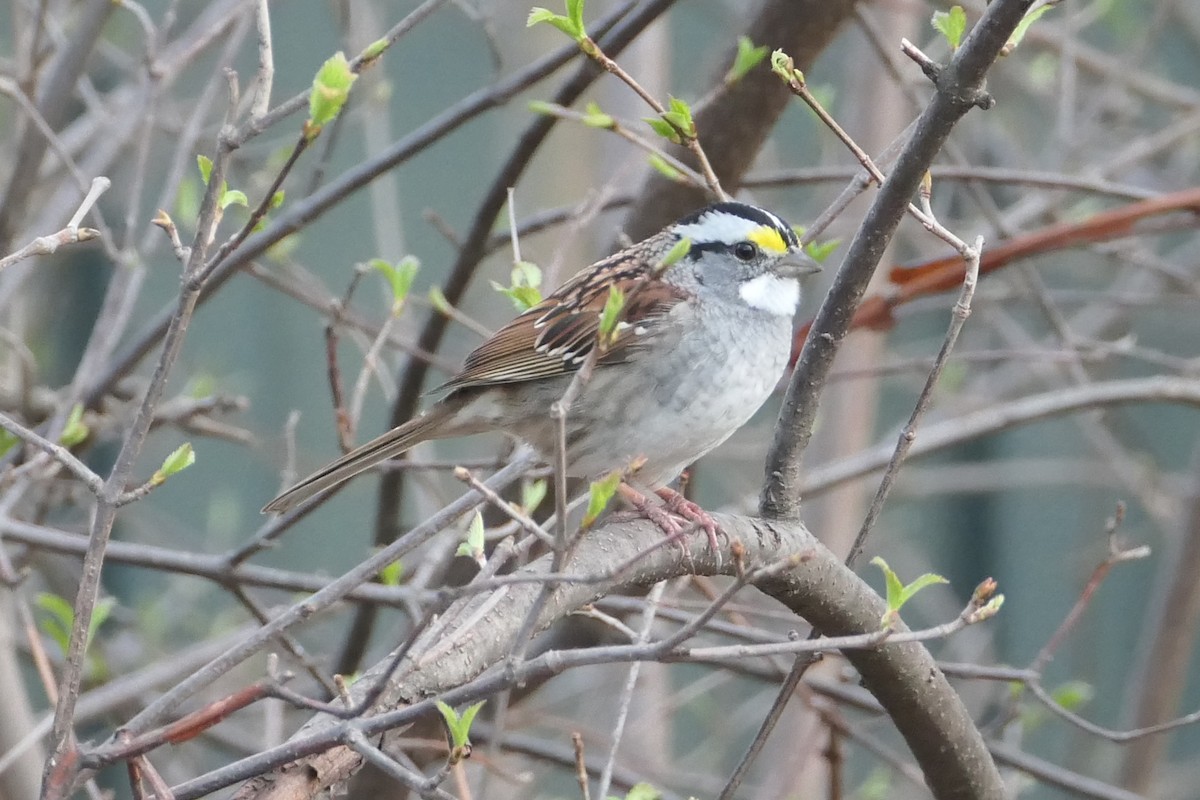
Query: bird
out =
(699, 346)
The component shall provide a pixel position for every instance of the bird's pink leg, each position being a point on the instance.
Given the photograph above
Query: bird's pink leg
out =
(679, 505)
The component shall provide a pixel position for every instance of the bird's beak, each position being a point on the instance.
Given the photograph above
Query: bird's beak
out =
(798, 265)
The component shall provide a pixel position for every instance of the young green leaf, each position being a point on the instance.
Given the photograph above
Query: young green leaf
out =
(205, 165)
(575, 13)
(665, 169)
(180, 459)
(399, 276)
(990, 609)
(927, 579)
(611, 315)
(748, 57)
(100, 614)
(7, 441)
(679, 114)
(330, 89)
(475, 532)
(277, 199)
(472, 546)
(524, 291)
(75, 431)
(1073, 695)
(571, 25)
(542, 107)
(58, 620)
(593, 117)
(281, 251)
(437, 298)
(599, 495)
(459, 727)
(892, 581)
(663, 128)
(1023, 28)
(897, 593)
(643, 791)
(523, 297)
(374, 50)
(677, 251)
(233, 197)
(449, 716)
(60, 617)
(526, 273)
(533, 494)
(951, 25)
(390, 575)
(465, 720)
(819, 251)
(783, 66)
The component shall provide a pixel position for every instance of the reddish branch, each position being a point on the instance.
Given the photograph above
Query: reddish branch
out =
(942, 274)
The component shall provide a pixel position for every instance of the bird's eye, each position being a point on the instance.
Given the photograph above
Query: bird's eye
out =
(745, 251)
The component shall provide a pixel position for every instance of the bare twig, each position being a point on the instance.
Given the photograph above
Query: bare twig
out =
(45, 245)
(513, 512)
(686, 138)
(329, 595)
(962, 309)
(626, 696)
(62, 455)
(686, 173)
(266, 61)
(1116, 555)
(581, 773)
(1008, 415)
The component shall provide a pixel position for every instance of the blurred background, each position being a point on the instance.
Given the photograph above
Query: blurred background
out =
(1096, 110)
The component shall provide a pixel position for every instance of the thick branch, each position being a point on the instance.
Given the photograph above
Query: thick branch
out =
(903, 677)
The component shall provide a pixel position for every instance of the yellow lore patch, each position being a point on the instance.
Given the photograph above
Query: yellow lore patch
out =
(768, 239)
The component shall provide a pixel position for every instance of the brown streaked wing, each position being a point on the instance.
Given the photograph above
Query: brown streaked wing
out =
(556, 336)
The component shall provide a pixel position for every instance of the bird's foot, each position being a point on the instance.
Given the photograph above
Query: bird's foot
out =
(676, 516)
(670, 524)
(675, 527)
(680, 506)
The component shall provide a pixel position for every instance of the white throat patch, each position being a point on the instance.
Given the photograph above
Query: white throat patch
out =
(771, 293)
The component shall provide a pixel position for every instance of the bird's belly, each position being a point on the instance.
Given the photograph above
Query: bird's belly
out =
(690, 401)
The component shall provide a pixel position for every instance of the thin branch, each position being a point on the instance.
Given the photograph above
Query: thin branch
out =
(330, 594)
(266, 61)
(626, 696)
(962, 309)
(687, 139)
(46, 245)
(1008, 415)
(687, 174)
(71, 234)
(62, 455)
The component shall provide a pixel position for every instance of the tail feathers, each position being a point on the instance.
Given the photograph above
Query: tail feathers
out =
(430, 425)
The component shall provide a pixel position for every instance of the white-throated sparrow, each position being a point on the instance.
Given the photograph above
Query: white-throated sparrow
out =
(698, 349)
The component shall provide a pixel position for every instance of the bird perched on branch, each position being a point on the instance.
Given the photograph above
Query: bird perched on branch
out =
(701, 340)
